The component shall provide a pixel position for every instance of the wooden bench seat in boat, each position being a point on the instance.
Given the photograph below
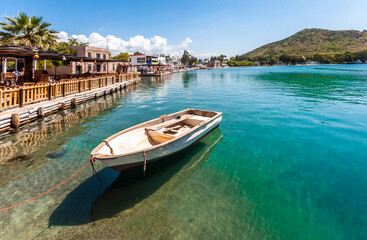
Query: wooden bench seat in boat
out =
(166, 133)
(157, 137)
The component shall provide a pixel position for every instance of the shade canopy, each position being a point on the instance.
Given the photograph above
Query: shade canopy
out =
(27, 52)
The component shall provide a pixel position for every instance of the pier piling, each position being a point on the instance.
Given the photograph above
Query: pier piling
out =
(15, 120)
(73, 103)
(41, 112)
(62, 107)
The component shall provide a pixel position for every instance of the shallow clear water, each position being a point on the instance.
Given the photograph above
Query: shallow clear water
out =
(289, 161)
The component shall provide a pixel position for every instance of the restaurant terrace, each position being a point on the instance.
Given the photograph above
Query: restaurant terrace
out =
(25, 85)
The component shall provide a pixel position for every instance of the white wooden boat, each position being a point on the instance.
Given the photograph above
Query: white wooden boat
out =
(156, 138)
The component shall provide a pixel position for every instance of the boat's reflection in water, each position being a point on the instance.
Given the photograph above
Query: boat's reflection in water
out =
(132, 186)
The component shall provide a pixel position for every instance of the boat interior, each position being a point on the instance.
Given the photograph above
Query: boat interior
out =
(155, 132)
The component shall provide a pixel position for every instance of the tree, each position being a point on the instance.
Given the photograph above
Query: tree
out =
(69, 46)
(137, 53)
(273, 61)
(28, 31)
(213, 58)
(124, 57)
(222, 57)
(65, 48)
(193, 60)
(119, 68)
(187, 59)
(73, 42)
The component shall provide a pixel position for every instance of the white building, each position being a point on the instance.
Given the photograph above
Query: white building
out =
(147, 63)
(143, 60)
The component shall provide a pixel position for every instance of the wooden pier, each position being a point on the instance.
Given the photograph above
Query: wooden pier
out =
(22, 105)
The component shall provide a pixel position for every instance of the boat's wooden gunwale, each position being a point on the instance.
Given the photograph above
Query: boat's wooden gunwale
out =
(103, 156)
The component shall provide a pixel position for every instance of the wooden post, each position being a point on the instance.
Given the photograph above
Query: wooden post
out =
(49, 91)
(21, 97)
(99, 82)
(62, 107)
(41, 112)
(15, 120)
(73, 102)
(1, 99)
(63, 89)
(90, 85)
(28, 61)
(79, 85)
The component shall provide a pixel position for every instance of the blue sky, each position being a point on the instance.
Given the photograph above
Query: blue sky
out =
(203, 27)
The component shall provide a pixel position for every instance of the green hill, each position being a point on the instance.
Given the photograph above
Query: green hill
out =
(309, 42)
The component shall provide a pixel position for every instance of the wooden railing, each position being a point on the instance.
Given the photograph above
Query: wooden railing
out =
(83, 85)
(56, 90)
(109, 80)
(9, 98)
(71, 87)
(32, 94)
(94, 83)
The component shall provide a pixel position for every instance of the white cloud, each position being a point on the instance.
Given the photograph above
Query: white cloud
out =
(156, 44)
(63, 36)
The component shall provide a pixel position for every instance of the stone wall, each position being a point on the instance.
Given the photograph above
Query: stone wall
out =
(59, 70)
(82, 51)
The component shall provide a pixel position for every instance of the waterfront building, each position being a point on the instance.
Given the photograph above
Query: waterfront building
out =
(102, 64)
(143, 60)
(214, 64)
(149, 63)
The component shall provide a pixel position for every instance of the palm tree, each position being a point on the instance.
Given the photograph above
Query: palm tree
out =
(73, 42)
(28, 31)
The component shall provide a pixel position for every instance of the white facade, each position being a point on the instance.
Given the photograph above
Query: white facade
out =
(144, 60)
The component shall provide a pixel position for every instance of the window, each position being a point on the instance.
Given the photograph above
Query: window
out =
(104, 67)
(90, 55)
(89, 67)
(141, 59)
(98, 67)
(104, 56)
(98, 55)
(113, 67)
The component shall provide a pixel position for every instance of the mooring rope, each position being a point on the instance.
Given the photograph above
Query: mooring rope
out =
(145, 162)
(92, 160)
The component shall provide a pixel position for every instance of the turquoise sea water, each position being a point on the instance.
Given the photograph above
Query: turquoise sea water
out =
(289, 161)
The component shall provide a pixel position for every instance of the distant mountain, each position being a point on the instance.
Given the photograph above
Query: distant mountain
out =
(309, 42)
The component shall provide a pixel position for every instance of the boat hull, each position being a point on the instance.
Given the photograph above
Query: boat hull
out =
(126, 162)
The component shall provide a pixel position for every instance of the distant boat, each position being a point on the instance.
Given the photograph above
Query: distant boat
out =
(155, 139)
